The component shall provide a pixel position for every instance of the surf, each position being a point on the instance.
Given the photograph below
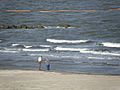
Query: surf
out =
(35, 50)
(109, 44)
(66, 41)
(99, 53)
(68, 49)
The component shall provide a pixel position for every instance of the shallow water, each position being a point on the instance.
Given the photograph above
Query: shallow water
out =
(90, 45)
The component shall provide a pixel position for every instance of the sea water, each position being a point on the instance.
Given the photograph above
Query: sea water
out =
(90, 45)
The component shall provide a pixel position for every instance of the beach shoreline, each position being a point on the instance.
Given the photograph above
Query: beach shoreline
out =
(43, 80)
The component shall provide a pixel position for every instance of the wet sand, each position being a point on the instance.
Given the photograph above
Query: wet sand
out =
(41, 80)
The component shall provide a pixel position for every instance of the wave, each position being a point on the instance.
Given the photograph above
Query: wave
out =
(104, 58)
(36, 50)
(20, 46)
(66, 41)
(99, 53)
(0, 41)
(69, 49)
(28, 46)
(56, 27)
(86, 51)
(8, 51)
(95, 58)
(47, 46)
(109, 44)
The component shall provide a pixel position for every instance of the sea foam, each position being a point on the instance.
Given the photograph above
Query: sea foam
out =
(8, 51)
(99, 53)
(69, 49)
(19, 45)
(0, 40)
(66, 41)
(56, 27)
(36, 50)
(47, 46)
(87, 51)
(109, 44)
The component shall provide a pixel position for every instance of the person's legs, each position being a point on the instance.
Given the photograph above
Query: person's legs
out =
(39, 65)
(48, 67)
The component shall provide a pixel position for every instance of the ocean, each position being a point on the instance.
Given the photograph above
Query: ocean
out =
(91, 43)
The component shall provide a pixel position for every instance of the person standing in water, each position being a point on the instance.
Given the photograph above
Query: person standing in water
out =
(46, 61)
(40, 59)
(48, 65)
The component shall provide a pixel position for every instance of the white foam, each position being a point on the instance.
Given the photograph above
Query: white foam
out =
(109, 44)
(100, 53)
(53, 27)
(36, 50)
(47, 46)
(104, 58)
(66, 41)
(56, 27)
(87, 51)
(27, 46)
(0, 40)
(15, 45)
(69, 49)
(8, 51)
(95, 58)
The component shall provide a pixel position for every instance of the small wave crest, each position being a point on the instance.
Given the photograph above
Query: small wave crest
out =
(20, 46)
(96, 58)
(29, 46)
(8, 51)
(109, 44)
(56, 27)
(66, 41)
(0, 41)
(99, 53)
(36, 50)
(46, 46)
(87, 51)
(69, 49)
(103, 58)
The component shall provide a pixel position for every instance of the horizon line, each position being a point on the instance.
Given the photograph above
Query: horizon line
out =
(22, 11)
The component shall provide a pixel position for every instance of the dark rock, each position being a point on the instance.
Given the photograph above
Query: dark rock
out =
(3, 26)
(103, 50)
(40, 26)
(23, 26)
(65, 25)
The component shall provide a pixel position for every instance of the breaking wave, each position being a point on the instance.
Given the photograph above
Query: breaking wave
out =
(8, 51)
(0, 41)
(96, 58)
(36, 50)
(20, 46)
(109, 44)
(87, 51)
(47, 46)
(69, 49)
(99, 53)
(28, 46)
(66, 41)
(56, 27)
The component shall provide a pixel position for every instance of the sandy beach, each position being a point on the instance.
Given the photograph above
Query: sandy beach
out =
(41, 80)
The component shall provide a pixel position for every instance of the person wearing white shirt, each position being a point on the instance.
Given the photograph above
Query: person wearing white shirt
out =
(40, 59)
